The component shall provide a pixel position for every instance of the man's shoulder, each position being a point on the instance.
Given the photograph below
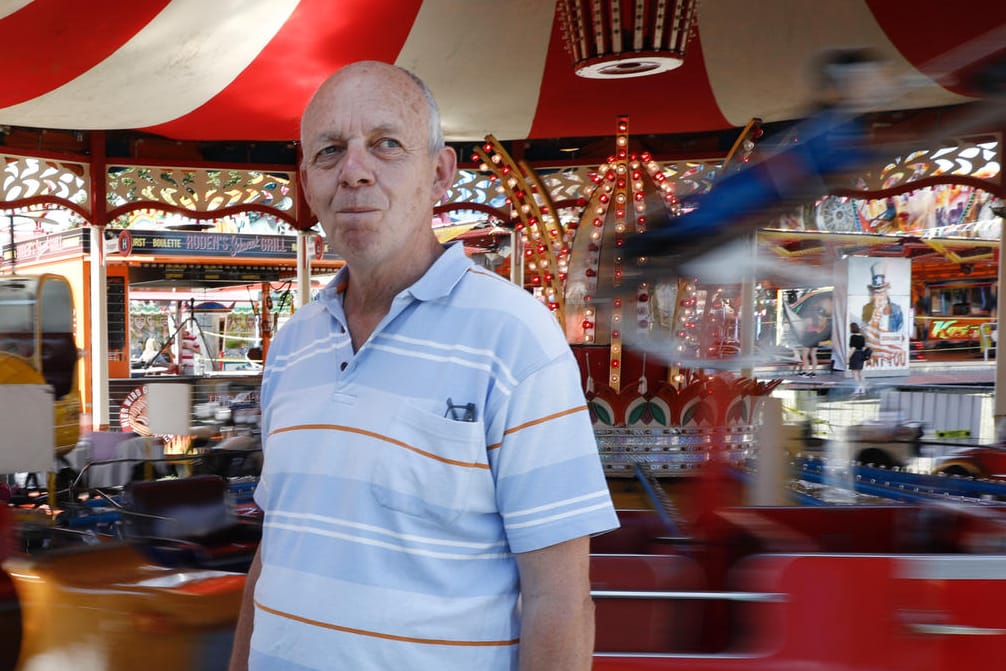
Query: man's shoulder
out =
(484, 282)
(485, 290)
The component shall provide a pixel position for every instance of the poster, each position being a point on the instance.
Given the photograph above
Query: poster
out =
(877, 297)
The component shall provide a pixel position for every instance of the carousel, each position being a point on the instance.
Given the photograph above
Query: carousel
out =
(739, 546)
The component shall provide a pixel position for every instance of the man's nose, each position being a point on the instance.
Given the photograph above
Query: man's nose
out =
(356, 166)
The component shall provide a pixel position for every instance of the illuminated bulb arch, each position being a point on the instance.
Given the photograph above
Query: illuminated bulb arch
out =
(625, 189)
(546, 240)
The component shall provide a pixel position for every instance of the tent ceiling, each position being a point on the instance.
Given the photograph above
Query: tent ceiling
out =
(243, 69)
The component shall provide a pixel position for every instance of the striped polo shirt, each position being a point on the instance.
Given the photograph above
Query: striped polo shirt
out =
(400, 479)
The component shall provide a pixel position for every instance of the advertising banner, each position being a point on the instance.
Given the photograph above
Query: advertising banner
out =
(877, 297)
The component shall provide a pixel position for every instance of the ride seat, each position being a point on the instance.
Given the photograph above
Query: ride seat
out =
(647, 624)
(103, 446)
(189, 521)
(59, 359)
(635, 534)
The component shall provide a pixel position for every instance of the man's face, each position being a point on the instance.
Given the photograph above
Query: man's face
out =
(879, 297)
(367, 171)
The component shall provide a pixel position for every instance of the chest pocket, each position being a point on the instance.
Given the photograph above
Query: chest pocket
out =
(431, 466)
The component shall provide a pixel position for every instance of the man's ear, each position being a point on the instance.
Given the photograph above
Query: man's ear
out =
(445, 172)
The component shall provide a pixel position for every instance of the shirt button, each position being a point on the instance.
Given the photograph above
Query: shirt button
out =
(342, 366)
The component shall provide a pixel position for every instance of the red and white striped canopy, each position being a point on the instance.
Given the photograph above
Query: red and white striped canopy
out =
(243, 69)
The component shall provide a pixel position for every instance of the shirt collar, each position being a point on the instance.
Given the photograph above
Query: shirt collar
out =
(438, 280)
(445, 273)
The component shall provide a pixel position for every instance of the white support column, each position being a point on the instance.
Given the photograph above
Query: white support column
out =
(305, 242)
(768, 486)
(99, 331)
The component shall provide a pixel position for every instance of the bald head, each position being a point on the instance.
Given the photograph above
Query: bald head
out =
(407, 83)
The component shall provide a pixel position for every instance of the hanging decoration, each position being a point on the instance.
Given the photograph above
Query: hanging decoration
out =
(626, 189)
(614, 39)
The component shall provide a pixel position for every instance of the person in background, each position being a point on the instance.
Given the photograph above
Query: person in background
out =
(815, 328)
(857, 359)
(808, 353)
(431, 478)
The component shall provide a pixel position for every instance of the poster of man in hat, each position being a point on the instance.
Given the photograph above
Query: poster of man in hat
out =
(882, 319)
(887, 316)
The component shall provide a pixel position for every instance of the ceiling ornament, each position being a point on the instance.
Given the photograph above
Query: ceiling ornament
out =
(615, 39)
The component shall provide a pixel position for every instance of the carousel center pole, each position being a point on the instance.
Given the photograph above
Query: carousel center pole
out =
(99, 309)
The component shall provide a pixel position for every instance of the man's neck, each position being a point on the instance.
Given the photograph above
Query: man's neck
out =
(371, 291)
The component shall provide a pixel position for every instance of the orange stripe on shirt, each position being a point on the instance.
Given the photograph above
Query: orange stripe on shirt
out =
(540, 420)
(378, 436)
(389, 637)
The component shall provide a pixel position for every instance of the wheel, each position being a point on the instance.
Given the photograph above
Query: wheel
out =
(959, 470)
(875, 457)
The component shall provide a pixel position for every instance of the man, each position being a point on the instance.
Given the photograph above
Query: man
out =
(431, 477)
(880, 312)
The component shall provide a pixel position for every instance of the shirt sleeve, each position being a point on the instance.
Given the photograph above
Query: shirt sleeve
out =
(550, 485)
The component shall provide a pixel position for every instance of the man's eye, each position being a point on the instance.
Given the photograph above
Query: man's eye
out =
(387, 143)
(327, 152)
